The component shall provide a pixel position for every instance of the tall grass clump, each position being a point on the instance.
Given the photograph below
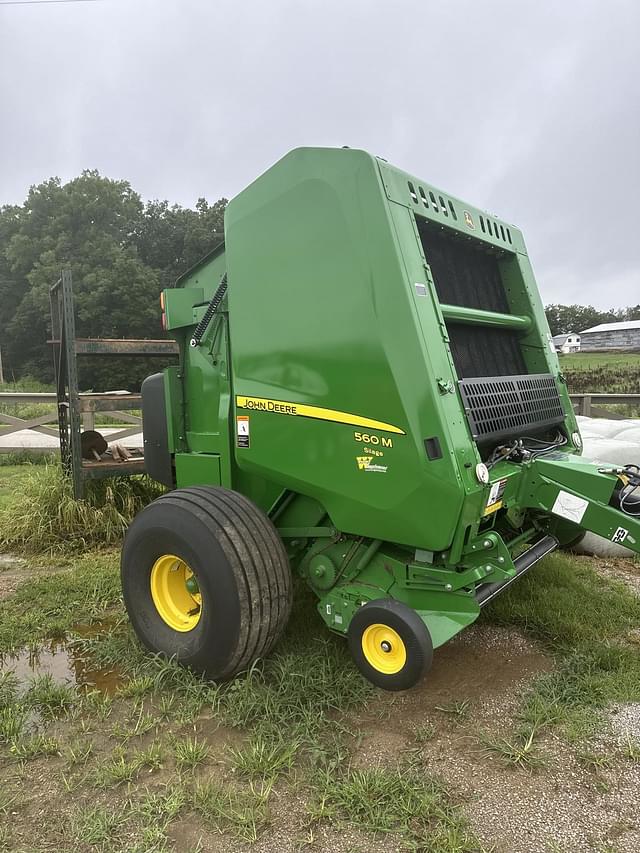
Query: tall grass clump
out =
(44, 516)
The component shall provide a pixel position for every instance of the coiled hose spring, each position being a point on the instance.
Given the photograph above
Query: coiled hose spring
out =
(212, 307)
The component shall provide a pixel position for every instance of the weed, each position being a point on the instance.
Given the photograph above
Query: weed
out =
(97, 824)
(50, 698)
(8, 688)
(423, 732)
(190, 752)
(78, 752)
(594, 761)
(382, 800)
(456, 708)
(579, 615)
(162, 807)
(521, 751)
(631, 749)
(150, 757)
(240, 812)
(117, 770)
(137, 687)
(44, 516)
(166, 706)
(98, 703)
(264, 756)
(12, 722)
(138, 723)
(34, 747)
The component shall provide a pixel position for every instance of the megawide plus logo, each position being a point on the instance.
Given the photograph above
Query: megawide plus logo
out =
(364, 464)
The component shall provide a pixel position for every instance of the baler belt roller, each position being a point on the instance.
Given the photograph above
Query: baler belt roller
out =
(545, 545)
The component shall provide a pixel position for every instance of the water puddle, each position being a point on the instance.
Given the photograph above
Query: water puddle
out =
(64, 663)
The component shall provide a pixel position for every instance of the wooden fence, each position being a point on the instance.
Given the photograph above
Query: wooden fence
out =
(108, 405)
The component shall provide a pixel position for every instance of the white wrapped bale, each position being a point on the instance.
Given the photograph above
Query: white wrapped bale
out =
(616, 443)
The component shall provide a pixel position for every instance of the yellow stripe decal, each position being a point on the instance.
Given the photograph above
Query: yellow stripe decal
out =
(282, 407)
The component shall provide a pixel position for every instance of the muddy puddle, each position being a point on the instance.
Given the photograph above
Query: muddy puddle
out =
(64, 663)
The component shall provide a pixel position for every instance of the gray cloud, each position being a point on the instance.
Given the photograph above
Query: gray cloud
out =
(529, 110)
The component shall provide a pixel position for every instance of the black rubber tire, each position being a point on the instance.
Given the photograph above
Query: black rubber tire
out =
(241, 567)
(412, 630)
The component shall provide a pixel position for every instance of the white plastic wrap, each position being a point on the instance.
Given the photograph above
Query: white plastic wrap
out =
(616, 442)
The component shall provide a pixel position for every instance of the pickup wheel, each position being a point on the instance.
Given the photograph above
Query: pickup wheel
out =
(390, 644)
(206, 579)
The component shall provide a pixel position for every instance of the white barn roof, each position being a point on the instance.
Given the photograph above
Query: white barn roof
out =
(613, 327)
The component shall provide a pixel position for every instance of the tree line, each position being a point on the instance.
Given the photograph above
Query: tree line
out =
(122, 253)
(578, 318)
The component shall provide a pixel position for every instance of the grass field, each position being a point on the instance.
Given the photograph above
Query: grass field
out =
(611, 360)
(604, 373)
(106, 748)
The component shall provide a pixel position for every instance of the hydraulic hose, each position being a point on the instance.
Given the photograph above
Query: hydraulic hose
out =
(212, 307)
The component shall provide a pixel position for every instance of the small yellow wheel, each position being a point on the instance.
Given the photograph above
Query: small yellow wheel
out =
(383, 648)
(175, 593)
(390, 644)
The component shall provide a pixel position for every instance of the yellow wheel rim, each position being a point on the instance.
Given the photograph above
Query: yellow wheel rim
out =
(175, 593)
(384, 649)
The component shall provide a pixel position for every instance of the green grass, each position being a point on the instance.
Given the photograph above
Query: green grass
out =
(593, 360)
(265, 756)
(604, 373)
(243, 812)
(43, 516)
(34, 747)
(51, 606)
(520, 750)
(583, 619)
(406, 803)
(189, 752)
(48, 697)
(12, 478)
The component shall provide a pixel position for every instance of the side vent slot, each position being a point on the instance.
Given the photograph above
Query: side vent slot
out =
(423, 197)
(412, 193)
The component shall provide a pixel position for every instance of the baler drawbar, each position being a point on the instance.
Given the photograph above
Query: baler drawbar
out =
(367, 395)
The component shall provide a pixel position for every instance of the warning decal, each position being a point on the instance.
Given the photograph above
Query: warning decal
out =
(242, 431)
(570, 507)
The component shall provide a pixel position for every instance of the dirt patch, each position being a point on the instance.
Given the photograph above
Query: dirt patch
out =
(475, 686)
(627, 571)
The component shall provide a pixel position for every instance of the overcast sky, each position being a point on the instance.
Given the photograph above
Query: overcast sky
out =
(527, 109)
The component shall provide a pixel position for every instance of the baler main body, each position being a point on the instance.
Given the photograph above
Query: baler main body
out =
(378, 341)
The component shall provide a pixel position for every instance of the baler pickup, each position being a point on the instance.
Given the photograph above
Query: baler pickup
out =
(367, 395)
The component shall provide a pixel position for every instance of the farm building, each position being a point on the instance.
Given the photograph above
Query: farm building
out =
(625, 335)
(567, 343)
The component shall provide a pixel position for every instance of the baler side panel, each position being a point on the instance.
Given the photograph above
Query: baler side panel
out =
(321, 314)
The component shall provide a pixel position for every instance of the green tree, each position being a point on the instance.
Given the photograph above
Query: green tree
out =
(121, 254)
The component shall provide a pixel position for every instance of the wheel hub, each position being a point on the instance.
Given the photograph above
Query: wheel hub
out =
(384, 648)
(175, 593)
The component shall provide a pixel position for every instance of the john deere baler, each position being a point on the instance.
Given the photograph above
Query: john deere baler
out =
(367, 395)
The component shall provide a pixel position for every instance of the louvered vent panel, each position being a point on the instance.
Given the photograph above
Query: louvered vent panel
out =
(501, 406)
